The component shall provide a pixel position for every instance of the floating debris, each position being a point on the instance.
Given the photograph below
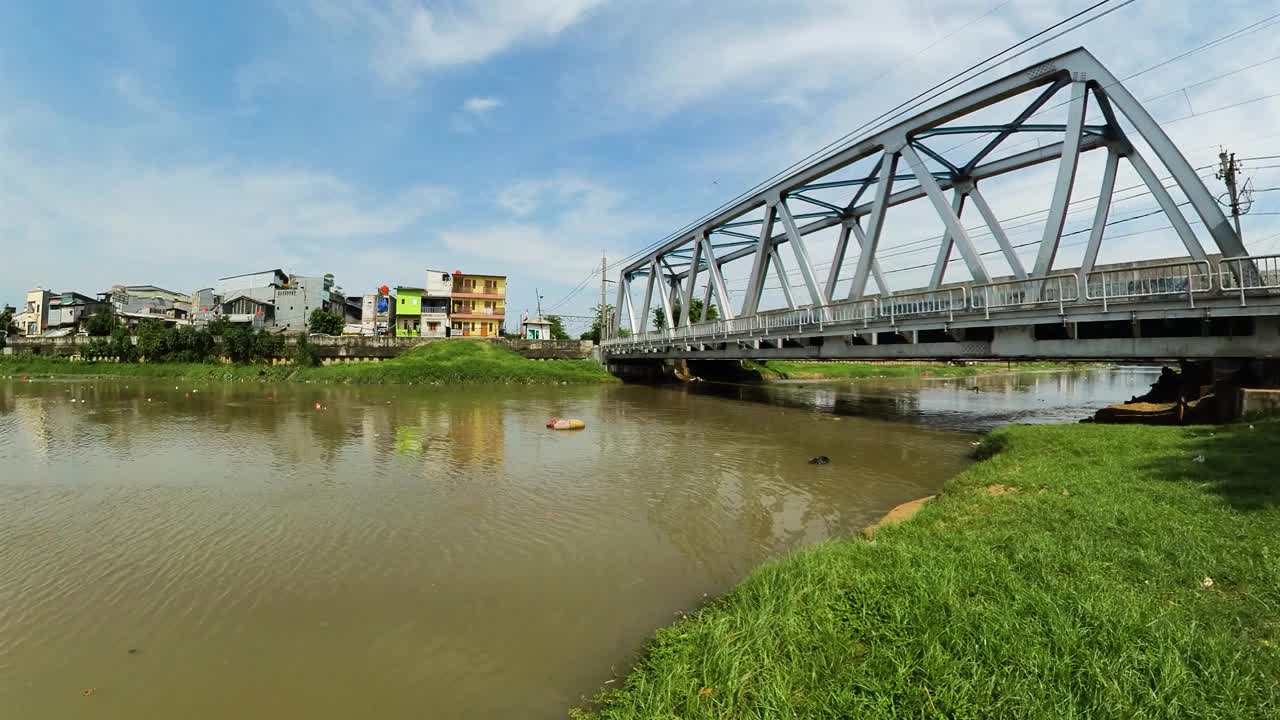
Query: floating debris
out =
(820, 460)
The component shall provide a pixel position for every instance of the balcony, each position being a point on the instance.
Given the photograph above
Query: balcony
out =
(478, 315)
(479, 294)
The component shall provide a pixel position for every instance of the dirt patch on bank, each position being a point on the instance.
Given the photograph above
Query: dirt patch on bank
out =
(999, 489)
(901, 513)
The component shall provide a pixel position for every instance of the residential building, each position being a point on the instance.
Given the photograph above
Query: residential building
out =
(242, 308)
(291, 298)
(408, 311)
(376, 314)
(34, 317)
(435, 303)
(295, 301)
(261, 279)
(67, 310)
(134, 303)
(478, 304)
(205, 306)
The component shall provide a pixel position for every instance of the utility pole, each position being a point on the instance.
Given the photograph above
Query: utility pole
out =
(539, 294)
(1227, 173)
(604, 291)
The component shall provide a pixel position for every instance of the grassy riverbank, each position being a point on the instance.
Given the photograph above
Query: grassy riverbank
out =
(459, 361)
(1079, 572)
(791, 370)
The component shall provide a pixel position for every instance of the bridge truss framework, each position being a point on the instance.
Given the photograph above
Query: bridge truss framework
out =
(671, 272)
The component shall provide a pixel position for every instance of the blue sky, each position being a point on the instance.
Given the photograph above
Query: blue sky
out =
(173, 143)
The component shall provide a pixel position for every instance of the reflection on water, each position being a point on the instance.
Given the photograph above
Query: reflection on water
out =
(965, 404)
(418, 552)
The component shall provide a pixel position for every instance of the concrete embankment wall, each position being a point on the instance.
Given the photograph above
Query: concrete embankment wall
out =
(343, 348)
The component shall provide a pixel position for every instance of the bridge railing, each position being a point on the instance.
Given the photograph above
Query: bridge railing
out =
(1246, 274)
(946, 302)
(1150, 282)
(1033, 292)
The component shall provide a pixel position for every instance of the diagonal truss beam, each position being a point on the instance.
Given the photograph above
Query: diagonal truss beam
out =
(875, 223)
(717, 280)
(955, 229)
(1076, 69)
(944, 249)
(801, 252)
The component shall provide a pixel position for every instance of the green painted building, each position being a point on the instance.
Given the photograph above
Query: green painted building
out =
(408, 312)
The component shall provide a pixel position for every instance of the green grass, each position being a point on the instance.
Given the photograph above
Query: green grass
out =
(455, 361)
(788, 370)
(1080, 594)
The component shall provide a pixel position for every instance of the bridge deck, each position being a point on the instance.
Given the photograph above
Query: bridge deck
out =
(1187, 308)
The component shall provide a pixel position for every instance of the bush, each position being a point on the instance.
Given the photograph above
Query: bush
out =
(304, 353)
(325, 323)
(243, 345)
(158, 343)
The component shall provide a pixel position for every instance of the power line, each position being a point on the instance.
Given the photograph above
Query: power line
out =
(900, 109)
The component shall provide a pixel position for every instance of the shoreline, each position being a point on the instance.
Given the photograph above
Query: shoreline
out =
(436, 363)
(1081, 570)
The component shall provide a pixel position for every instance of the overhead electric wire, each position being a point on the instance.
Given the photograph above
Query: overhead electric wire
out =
(1236, 34)
(897, 111)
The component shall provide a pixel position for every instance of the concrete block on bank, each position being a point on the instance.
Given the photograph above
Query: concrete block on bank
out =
(1255, 402)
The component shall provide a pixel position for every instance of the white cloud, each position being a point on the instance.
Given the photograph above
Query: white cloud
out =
(561, 226)
(85, 220)
(407, 38)
(481, 105)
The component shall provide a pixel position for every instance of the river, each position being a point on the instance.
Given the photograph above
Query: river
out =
(268, 551)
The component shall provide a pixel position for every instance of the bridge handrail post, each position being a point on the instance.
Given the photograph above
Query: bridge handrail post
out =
(1191, 294)
(1062, 308)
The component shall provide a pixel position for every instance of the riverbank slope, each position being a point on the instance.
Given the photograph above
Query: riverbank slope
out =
(1079, 571)
(443, 362)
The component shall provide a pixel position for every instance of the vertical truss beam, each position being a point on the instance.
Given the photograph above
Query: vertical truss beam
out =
(1100, 213)
(619, 306)
(875, 223)
(1066, 179)
(955, 228)
(686, 308)
(944, 250)
(668, 297)
(881, 286)
(717, 279)
(997, 231)
(801, 252)
(648, 294)
(760, 264)
(837, 259)
(775, 259)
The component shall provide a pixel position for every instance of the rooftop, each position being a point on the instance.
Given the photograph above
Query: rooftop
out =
(277, 271)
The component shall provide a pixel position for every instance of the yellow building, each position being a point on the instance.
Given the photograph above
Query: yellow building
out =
(479, 305)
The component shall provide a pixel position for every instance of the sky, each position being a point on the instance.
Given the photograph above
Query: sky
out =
(175, 143)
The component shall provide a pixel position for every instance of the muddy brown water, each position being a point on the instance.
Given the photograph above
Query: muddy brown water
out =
(231, 551)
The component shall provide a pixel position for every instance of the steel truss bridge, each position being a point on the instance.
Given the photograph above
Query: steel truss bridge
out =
(1220, 303)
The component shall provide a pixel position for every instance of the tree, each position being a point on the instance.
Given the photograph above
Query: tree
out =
(325, 323)
(594, 333)
(660, 318)
(557, 327)
(102, 322)
(7, 327)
